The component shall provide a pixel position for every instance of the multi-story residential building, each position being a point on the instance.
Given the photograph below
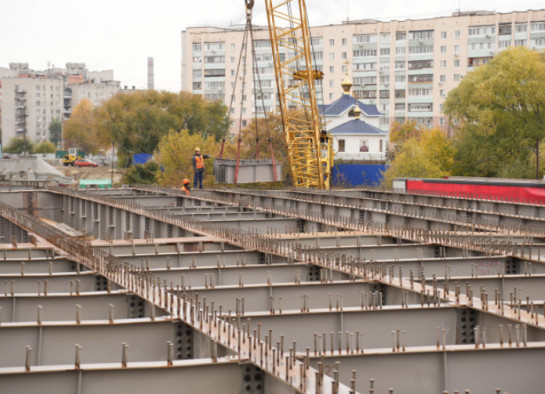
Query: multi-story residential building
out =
(406, 68)
(30, 100)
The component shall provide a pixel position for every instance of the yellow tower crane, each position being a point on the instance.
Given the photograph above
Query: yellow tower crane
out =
(309, 146)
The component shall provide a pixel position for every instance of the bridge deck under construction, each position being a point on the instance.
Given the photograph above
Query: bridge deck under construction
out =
(144, 289)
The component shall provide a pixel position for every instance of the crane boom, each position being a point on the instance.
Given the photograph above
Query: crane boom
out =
(309, 148)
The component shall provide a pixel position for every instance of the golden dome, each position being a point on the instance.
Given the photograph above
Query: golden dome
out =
(357, 112)
(346, 85)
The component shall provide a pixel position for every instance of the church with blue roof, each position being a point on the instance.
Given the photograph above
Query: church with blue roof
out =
(354, 127)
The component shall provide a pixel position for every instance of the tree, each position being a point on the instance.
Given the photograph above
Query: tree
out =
(141, 174)
(401, 132)
(80, 130)
(259, 131)
(55, 130)
(498, 114)
(45, 147)
(174, 153)
(428, 155)
(19, 145)
(136, 122)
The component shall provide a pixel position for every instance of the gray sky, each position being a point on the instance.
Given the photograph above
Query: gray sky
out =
(121, 34)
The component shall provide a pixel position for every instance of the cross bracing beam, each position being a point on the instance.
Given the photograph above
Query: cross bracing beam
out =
(118, 304)
(431, 370)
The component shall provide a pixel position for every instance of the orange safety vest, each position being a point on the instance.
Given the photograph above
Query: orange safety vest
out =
(199, 162)
(184, 189)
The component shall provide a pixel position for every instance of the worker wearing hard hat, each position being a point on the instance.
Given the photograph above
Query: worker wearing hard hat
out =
(198, 167)
(185, 187)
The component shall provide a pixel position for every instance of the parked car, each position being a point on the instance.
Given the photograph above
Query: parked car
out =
(85, 163)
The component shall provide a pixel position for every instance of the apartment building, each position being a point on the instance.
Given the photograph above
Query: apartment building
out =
(30, 99)
(405, 68)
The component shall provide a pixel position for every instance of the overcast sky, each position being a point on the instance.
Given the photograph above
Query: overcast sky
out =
(121, 34)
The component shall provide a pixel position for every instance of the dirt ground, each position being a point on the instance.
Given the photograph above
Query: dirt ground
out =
(91, 173)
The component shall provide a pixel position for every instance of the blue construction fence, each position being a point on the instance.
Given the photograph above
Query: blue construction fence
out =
(141, 158)
(346, 175)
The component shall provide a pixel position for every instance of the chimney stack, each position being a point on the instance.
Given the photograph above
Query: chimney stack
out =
(150, 74)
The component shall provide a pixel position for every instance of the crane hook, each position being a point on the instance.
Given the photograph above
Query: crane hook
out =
(249, 6)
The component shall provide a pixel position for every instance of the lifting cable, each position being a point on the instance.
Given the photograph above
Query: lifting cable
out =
(248, 31)
(260, 87)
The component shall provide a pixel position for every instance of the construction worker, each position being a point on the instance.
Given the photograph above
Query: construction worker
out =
(198, 167)
(185, 187)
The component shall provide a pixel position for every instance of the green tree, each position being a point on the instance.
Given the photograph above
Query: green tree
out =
(80, 130)
(45, 147)
(498, 114)
(19, 145)
(55, 130)
(428, 155)
(174, 153)
(141, 174)
(136, 122)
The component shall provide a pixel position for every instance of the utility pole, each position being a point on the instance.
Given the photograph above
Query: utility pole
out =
(537, 158)
(113, 157)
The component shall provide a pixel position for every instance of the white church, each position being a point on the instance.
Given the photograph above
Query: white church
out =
(354, 127)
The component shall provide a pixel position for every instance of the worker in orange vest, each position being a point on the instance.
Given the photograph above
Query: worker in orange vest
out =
(185, 187)
(198, 167)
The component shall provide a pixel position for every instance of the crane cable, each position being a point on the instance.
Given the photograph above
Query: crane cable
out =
(234, 89)
(260, 87)
(248, 31)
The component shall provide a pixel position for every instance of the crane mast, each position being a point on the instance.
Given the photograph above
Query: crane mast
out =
(309, 148)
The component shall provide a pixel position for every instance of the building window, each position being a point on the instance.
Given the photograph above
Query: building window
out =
(401, 35)
(442, 93)
(384, 51)
(456, 48)
(457, 33)
(344, 41)
(380, 146)
(364, 145)
(400, 50)
(443, 34)
(521, 27)
(520, 43)
(400, 107)
(232, 59)
(343, 55)
(331, 96)
(331, 42)
(443, 49)
(331, 83)
(400, 65)
(331, 69)
(331, 56)
(341, 146)
(442, 78)
(456, 62)
(443, 63)
(196, 47)
(442, 121)
(481, 30)
(232, 47)
(457, 77)
(538, 26)
(364, 38)
(400, 78)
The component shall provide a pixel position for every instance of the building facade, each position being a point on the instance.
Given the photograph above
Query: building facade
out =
(30, 99)
(405, 68)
